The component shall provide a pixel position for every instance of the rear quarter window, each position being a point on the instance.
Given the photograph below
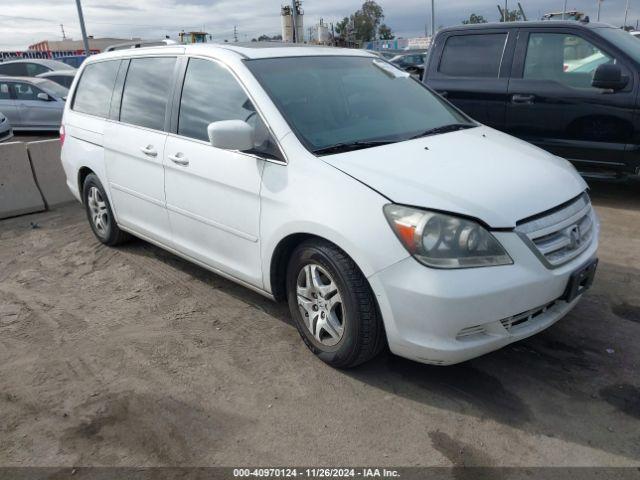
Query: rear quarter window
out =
(13, 69)
(478, 55)
(93, 93)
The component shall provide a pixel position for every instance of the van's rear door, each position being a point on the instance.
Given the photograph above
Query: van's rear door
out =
(471, 69)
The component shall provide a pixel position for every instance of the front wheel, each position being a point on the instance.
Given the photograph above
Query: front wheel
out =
(332, 305)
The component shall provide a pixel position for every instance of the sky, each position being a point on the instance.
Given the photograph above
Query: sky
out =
(29, 21)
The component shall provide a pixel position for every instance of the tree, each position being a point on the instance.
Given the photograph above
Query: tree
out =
(267, 38)
(385, 33)
(342, 28)
(363, 25)
(473, 19)
(512, 16)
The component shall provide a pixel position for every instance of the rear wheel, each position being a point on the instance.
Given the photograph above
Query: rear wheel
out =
(99, 213)
(332, 305)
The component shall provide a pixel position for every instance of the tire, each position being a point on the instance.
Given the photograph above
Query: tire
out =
(333, 306)
(99, 213)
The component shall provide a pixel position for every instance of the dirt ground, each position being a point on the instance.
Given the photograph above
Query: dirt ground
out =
(133, 357)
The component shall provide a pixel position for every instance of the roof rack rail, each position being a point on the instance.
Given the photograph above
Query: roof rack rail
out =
(141, 44)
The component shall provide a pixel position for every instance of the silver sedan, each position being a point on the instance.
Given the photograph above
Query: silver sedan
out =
(6, 132)
(32, 103)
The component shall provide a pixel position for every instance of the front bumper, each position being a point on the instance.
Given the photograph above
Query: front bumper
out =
(444, 317)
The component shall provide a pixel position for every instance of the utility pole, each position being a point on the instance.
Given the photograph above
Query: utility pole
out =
(524, 15)
(294, 15)
(85, 40)
(433, 18)
(599, 8)
(64, 36)
(235, 33)
(626, 14)
(564, 10)
(506, 11)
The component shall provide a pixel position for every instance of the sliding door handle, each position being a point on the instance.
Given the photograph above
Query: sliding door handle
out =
(149, 151)
(179, 159)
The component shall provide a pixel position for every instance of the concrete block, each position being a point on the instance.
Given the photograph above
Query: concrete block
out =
(19, 193)
(45, 160)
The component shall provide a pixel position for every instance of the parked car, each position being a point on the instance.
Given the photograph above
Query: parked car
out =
(32, 103)
(72, 60)
(290, 170)
(31, 67)
(6, 132)
(411, 62)
(61, 77)
(568, 87)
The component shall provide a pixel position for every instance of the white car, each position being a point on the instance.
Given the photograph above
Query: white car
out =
(381, 219)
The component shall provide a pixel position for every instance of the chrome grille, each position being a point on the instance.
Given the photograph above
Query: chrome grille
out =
(561, 235)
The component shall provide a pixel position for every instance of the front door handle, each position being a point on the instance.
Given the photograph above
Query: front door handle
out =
(149, 151)
(179, 159)
(523, 99)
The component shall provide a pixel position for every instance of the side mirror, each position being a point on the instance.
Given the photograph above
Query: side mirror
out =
(608, 76)
(231, 135)
(43, 96)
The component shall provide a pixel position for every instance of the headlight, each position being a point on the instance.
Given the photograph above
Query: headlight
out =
(443, 241)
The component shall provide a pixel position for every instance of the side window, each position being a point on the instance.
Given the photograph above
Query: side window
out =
(93, 93)
(473, 55)
(25, 91)
(63, 80)
(210, 94)
(13, 69)
(563, 58)
(34, 69)
(4, 91)
(146, 91)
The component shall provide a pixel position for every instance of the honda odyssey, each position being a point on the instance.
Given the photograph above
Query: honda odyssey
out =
(332, 180)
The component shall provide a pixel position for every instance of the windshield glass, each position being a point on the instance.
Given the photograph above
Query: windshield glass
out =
(623, 40)
(332, 100)
(53, 88)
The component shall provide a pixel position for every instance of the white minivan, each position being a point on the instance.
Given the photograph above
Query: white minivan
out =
(332, 180)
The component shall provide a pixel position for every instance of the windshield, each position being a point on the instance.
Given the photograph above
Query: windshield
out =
(53, 88)
(331, 100)
(623, 40)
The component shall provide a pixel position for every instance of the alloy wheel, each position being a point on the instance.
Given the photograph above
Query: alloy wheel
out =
(99, 211)
(320, 304)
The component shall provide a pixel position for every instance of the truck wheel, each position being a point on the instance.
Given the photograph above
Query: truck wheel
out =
(99, 213)
(332, 305)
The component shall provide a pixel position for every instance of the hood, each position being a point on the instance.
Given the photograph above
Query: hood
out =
(479, 172)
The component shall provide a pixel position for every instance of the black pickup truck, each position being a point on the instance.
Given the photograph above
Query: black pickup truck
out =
(571, 88)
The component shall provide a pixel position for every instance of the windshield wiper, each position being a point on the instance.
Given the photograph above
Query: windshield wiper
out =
(351, 146)
(444, 129)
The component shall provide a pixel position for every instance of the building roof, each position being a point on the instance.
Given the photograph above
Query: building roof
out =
(71, 45)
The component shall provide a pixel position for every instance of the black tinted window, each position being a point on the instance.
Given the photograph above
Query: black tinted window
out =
(211, 94)
(473, 55)
(63, 80)
(93, 94)
(146, 92)
(34, 69)
(13, 69)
